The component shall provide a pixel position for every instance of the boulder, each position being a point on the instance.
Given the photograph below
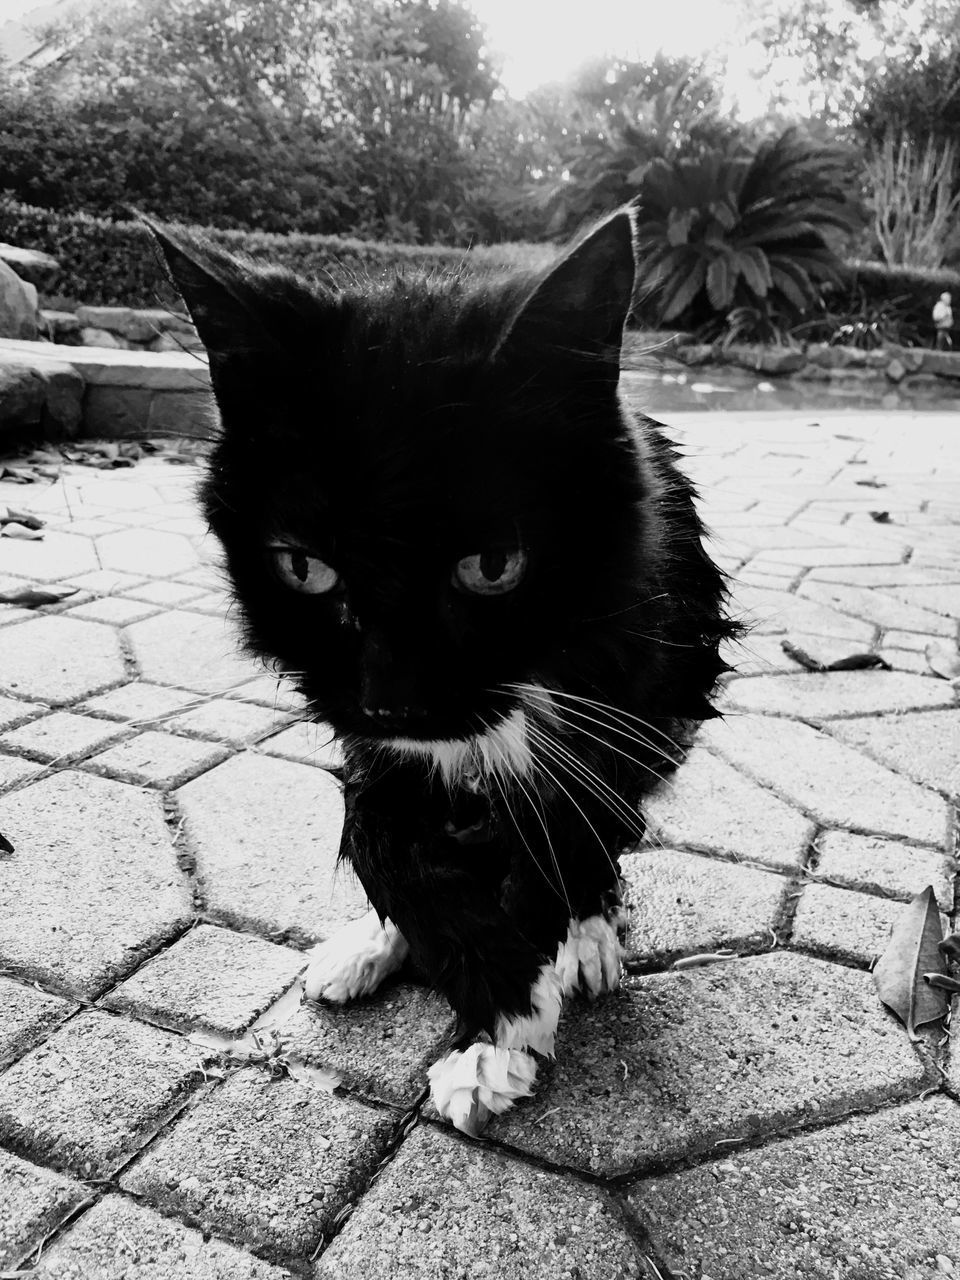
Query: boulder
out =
(22, 397)
(896, 370)
(62, 327)
(945, 364)
(19, 314)
(90, 337)
(133, 325)
(63, 403)
(694, 353)
(32, 265)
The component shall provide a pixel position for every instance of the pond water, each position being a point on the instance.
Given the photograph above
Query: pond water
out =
(669, 387)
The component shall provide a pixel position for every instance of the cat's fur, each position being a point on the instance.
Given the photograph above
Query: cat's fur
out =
(496, 740)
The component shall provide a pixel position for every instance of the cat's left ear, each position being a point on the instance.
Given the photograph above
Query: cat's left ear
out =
(581, 306)
(212, 284)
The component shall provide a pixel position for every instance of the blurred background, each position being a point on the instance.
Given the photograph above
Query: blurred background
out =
(794, 162)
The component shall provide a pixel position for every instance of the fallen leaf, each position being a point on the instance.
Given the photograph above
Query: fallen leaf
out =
(871, 484)
(5, 845)
(912, 952)
(800, 655)
(943, 659)
(950, 947)
(859, 662)
(942, 982)
(881, 517)
(704, 958)
(20, 531)
(26, 518)
(32, 597)
(17, 475)
(313, 1077)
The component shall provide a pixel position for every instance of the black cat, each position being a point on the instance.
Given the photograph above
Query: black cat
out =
(487, 575)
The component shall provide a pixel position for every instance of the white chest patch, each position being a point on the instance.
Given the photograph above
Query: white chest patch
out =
(501, 752)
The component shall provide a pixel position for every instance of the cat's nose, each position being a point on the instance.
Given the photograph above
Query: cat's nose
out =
(394, 715)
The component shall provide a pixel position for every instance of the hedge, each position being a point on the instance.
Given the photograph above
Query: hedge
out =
(104, 263)
(899, 299)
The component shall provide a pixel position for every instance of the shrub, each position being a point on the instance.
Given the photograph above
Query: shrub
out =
(723, 233)
(114, 264)
(876, 305)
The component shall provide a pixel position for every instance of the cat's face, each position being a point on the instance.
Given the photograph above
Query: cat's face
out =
(426, 493)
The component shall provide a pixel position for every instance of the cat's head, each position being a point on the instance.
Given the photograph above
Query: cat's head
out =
(425, 487)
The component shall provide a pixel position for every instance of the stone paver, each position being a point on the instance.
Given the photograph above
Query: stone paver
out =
(443, 1208)
(265, 1161)
(92, 884)
(827, 695)
(379, 1047)
(681, 903)
(157, 759)
(94, 1093)
(121, 1240)
(210, 980)
(872, 1198)
(678, 1062)
(26, 1015)
(834, 784)
(179, 648)
(61, 736)
(709, 805)
(805, 821)
(266, 834)
(844, 925)
(33, 1202)
(889, 867)
(925, 747)
(58, 659)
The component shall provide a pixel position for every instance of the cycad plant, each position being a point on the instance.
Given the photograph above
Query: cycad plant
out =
(724, 232)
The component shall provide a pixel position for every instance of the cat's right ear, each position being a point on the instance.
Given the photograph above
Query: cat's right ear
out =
(211, 283)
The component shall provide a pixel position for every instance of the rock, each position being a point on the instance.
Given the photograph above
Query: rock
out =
(32, 265)
(129, 324)
(895, 370)
(22, 396)
(779, 362)
(946, 364)
(160, 320)
(63, 327)
(63, 407)
(19, 314)
(695, 353)
(90, 337)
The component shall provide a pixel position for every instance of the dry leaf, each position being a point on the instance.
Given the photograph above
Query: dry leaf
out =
(32, 597)
(20, 531)
(912, 952)
(859, 662)
(942, 982)
(5, 846)
(950, 947)
(704, 958)
(871, 484)
(881, 517)
(26, 518)
(943, 659)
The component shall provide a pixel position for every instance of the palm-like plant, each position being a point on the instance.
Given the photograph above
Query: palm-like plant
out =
(741, 231)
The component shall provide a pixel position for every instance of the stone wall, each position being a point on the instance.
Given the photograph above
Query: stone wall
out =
(820, 362)
(121, 329)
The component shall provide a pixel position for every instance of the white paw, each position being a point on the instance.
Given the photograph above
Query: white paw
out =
(589, 960)
(355, 960)
(484, 1080)
(538, 1029)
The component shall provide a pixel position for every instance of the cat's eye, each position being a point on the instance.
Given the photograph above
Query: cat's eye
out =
(491, 573)
(302, 572)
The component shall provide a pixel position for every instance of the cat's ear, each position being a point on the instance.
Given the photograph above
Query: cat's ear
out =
(580, 307)
(212, 284)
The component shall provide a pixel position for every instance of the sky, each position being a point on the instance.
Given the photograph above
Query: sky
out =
(543, 40)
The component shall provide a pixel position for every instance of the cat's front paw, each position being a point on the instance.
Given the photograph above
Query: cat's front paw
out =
(589, 959)
(468, 1087)
(355, 960)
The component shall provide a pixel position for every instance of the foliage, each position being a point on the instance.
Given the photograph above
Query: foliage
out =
(723, 232)
(914, 197)
(664, 109)
(377, 115)
(876, 305)
(114, 263)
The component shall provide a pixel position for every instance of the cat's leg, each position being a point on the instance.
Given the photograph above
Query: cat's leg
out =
(590, 958)
(355, 960)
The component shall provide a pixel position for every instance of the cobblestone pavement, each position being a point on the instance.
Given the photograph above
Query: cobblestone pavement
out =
(175, 831)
